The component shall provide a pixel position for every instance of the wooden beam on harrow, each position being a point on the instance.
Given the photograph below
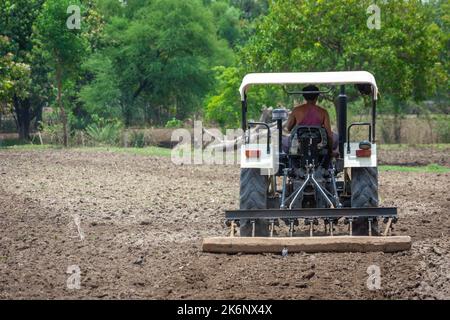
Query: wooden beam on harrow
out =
(306, 244)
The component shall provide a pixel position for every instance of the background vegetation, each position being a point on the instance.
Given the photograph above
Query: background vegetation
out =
(140, 64)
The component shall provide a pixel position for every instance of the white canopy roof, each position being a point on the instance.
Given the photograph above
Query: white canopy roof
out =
(334, 78)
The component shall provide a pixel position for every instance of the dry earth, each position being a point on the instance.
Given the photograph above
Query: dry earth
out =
(412, 156)
(143, 218)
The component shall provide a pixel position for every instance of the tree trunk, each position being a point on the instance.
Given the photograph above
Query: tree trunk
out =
(158, 115)
(125, 107)
(38, 115)
(127, 116)
(61, 106)
(23, 116)
(397, 129)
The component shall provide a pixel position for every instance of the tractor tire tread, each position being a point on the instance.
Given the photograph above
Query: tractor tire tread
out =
(253, 195)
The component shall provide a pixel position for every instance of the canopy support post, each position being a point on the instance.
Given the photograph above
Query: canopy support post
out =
(342, 119)
(244, 113)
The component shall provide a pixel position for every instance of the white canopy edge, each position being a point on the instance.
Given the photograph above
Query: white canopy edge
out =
(332, 78)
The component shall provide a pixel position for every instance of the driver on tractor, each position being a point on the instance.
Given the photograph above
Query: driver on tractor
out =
(310, 114)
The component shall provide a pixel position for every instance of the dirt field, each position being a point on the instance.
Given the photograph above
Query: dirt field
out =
(142, 220)
(414, 156)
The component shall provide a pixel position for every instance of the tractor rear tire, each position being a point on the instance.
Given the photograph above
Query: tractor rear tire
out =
(364, 187)
(253, 195)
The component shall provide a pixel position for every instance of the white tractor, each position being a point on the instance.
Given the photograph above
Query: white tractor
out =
(303, 185)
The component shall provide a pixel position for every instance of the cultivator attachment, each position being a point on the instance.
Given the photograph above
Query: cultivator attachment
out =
(311, 239)
(312, 217)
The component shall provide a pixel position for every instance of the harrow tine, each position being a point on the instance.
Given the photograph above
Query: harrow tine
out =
(232, 228)
(388, 227)
(370, 227)
(253, 228)
(350, 226)
(331, 227)
(272, 225)
(283, 191)
(291, 228)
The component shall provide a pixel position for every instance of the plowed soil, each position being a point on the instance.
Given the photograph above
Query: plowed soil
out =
(141, 221)
(413, 156)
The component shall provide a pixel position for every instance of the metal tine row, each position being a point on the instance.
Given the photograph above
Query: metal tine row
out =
(314, 221)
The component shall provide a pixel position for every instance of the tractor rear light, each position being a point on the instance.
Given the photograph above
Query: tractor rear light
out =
(363, 153)
(253, 154)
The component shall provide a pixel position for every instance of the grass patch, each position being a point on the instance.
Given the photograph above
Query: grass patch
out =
(28, 147)
(147, 151)
(431, 168)
(436, 146)
(5, 143)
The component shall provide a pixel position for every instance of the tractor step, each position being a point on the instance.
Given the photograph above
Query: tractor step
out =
(305, 244)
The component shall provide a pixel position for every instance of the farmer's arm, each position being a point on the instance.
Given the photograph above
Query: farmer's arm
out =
(291, 121)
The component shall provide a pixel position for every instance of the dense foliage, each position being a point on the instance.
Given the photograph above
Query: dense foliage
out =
(160, 62)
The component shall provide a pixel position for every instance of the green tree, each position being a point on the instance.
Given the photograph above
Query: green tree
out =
(251, 9)
(223, 105)
(21, 67)
(160, 57)
(333, 36)
(227, 21)
(14, 77)
(64, 47)
(102, 95)
(441, 10)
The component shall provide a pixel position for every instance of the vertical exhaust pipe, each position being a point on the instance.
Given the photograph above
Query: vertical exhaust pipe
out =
(280, 135)
(244, 115)
(342, 119)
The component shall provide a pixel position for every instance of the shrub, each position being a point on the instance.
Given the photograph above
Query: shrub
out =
(443, 129)
(108, 134)
(137, 139)
(174, 123)
(52, 133)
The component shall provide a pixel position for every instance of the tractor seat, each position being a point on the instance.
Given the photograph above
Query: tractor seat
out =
(308, 145)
